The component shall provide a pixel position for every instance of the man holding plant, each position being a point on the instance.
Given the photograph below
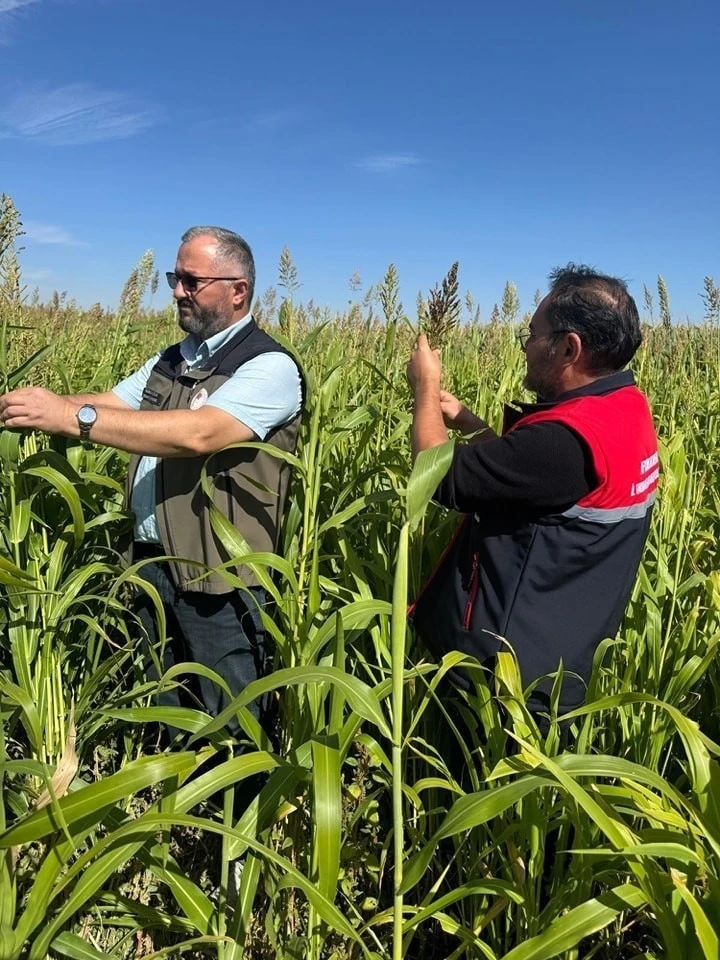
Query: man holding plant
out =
(182, 413)
(558, 507)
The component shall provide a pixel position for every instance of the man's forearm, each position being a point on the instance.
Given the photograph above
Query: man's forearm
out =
(428, 427)
(119, 426)
(165, 433)
(108, 399)
(158, 433)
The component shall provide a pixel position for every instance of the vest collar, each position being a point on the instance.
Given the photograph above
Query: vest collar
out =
(598, 388)
(216, 362)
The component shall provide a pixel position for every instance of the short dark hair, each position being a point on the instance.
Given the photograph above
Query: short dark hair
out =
(600, 310)
(231, 247)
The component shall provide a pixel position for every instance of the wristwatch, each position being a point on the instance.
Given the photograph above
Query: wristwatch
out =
(86, 417)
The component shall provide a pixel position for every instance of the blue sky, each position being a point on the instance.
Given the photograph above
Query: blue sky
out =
(510, 136)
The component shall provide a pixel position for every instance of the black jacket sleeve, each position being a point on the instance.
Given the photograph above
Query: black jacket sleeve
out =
(544, 466)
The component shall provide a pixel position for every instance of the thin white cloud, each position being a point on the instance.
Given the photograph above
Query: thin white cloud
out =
(72, 115)
(388, 162)
(47, 233)
(7, 6)
(9, 13)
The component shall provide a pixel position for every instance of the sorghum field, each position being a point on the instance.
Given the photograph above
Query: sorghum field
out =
(395, 816)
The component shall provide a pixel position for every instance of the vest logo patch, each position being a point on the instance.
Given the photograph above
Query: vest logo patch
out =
(199, 399)
(151, 396)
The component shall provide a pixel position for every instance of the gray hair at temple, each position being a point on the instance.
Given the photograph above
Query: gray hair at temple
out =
(231, 249)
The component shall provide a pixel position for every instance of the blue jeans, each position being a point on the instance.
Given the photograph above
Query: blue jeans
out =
(222, 632)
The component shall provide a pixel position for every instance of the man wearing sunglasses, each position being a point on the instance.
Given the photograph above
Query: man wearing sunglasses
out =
(557, 508)
(179, 416)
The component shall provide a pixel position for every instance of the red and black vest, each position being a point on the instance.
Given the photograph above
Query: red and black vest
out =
(553, 585)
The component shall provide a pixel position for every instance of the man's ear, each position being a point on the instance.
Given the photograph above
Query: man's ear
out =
(240, 292)
(573, 347)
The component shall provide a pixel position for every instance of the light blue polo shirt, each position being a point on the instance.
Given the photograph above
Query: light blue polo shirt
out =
(264, 393)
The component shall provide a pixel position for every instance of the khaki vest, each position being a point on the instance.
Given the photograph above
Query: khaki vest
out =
(250, 486)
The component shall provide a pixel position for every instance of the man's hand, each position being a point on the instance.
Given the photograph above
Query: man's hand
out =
(34, 408)
(456, 416)
(424, 365)
(452, 410)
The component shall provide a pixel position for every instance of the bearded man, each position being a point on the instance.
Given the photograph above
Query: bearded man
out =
(225, 383)
(558, 507)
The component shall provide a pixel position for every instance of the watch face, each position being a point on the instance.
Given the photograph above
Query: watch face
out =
(87, 415)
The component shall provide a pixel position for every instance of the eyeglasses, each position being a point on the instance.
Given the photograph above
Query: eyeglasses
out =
(526, 334)
(189, 282)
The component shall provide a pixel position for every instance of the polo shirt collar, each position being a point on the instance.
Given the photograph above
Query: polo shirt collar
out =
(194, 350)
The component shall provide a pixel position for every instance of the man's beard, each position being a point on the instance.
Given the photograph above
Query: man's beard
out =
(203, 323)
(543, 383)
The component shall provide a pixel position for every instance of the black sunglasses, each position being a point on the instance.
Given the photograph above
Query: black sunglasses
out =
(189, 282)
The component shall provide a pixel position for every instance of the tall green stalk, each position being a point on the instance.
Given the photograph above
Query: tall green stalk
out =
(398, 638)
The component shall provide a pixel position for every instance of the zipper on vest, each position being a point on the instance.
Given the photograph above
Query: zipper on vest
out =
(474, 586)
